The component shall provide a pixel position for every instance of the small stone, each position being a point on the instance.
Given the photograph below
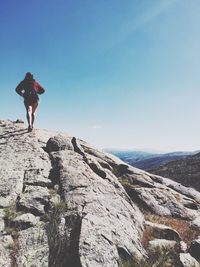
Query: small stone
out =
(183, 246)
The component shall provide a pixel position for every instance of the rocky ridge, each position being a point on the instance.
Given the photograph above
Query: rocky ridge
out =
(65, 203)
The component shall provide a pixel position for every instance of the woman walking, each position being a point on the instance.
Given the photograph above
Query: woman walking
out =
(29, 89)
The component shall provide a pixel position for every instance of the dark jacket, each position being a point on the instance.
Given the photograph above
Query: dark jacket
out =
(28, 84)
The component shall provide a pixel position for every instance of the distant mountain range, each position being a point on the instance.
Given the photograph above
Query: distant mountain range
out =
(182, 167)
(148, 161)
(185, 171)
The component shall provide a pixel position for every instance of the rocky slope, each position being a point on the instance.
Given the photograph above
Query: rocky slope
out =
(185, 171)
(63, 203)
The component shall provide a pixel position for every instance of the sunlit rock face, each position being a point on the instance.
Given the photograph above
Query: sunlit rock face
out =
(65, 203)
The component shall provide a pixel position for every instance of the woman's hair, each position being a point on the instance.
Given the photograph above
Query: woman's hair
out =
(28, 76)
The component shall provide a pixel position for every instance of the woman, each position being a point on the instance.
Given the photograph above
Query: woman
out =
(29, 89)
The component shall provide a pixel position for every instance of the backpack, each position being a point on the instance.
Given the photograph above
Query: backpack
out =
(30, 95)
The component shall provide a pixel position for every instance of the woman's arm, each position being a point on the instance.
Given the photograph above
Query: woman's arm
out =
(19, 89)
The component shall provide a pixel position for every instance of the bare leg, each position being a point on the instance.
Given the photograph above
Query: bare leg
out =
(34, 107)
(28, 114)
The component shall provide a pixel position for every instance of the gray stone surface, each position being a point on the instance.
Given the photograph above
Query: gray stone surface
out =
(188, 261)
(6, 244)
(59, 142)
(34, 199)
(25, 221)
(196, 222)
(161, 196)
(37, 177)
(20, 152)
(75, 210)
(154, 193)
(33, 249)
(100, 220)
(107, 220)
(24, 168)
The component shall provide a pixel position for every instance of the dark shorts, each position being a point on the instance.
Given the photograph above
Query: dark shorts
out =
(28, 102)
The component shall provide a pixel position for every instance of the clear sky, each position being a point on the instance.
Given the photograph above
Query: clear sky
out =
(119, 74)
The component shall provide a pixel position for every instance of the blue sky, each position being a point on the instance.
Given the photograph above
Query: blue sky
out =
(119, 74)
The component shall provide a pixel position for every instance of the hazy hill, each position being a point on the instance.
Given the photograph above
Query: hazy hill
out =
(130, 156)
(146, 160)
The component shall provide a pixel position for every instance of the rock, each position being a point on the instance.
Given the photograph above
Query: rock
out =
(36, 177)
(196, 223)
(151, 192)
(34, 199)
(33, 248)
(183, 246)
(95, 166)
(7, 240)
(19, 121)
(20, 152)
(189, 192)
(76, 210)
(163, 232)
(161, 196)
(194, 249)
(77, 147)
(162, 244)
(24, 221)
(188, 261)
(102, 157)
(59, 142)
(6, 245)
(106, 220)
(162, 202)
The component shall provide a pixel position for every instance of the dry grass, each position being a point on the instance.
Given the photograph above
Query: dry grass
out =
(156, 258)
(183, 227)
(148, 235)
